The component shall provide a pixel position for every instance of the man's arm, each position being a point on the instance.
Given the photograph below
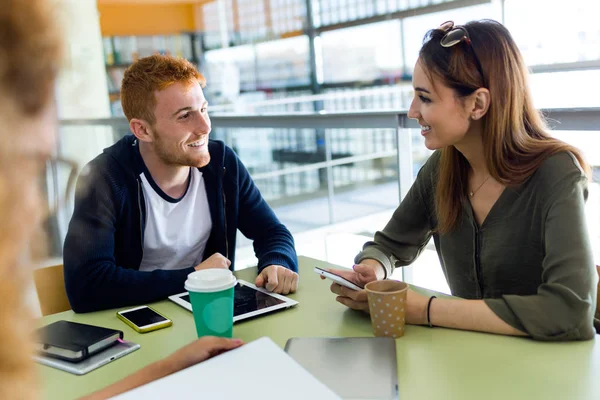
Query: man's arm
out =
(273, 242)
(93, 281)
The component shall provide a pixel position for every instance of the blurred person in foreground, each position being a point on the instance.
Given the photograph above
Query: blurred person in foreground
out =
(30, 57)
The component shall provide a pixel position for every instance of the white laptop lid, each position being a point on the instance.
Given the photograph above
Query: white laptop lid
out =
(355, 368)
(259, 370)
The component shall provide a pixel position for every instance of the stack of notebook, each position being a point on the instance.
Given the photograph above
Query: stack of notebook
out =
(80, 348)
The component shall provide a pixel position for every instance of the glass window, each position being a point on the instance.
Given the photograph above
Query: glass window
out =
(229, 71)
(566, 89)
(363, 53)
(415, 28)
(283, 63)
(396, 97)
(564, 33)
(287, 16)
(252, 21)
(211, 27)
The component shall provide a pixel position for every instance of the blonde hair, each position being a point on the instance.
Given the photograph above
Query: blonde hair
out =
(515, 138)
(150, 74)
(30, 53)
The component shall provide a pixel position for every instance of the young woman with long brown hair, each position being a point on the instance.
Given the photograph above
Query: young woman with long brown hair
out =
(502, 199)
(30, 55)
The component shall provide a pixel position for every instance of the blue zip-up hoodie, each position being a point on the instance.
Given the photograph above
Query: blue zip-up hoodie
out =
(105, 241)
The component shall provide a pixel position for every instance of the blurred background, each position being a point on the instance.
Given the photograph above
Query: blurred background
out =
(312, 95)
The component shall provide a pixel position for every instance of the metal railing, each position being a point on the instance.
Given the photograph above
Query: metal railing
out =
(580, 119)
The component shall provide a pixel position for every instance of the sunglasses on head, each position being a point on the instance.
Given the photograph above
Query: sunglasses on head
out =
(456, 34)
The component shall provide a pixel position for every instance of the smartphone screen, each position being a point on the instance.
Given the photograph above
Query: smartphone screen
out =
(143, 316)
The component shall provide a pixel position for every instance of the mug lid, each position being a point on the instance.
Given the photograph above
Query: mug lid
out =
(210, 280)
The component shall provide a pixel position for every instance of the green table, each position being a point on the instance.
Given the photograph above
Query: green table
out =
(432, 363)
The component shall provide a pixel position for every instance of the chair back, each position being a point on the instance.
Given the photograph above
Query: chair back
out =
(50, 287)
(597, 316)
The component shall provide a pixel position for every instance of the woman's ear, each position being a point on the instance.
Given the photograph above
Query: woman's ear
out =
(481, 103)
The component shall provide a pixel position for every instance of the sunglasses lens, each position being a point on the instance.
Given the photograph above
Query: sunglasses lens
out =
(453, 37)
(446, 26)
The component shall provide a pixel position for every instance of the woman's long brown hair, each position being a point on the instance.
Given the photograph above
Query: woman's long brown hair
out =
(515, 138)
(30, 53)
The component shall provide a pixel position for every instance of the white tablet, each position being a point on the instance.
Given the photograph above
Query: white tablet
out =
(122, 348)
(249, 301)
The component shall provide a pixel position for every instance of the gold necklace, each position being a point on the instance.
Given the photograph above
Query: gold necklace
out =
(472, 192)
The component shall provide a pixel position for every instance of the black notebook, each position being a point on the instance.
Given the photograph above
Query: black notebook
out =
(75, 342)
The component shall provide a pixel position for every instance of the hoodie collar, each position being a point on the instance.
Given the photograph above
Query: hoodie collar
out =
(127, 154)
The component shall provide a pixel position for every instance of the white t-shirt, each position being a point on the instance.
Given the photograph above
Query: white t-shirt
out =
(176, 229)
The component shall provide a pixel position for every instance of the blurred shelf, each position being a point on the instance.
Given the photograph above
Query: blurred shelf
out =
(411, 11)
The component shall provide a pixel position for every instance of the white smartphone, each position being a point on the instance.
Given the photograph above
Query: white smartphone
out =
(337, 279)
(144, 319)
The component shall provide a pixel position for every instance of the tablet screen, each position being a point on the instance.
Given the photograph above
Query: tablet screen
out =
(248, 300)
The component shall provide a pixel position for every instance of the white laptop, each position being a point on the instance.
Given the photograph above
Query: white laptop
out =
(259, 370)
(356, 368)
(249, 301)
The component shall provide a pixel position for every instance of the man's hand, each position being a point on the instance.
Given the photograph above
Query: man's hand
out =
(217, 260)
(277, 279)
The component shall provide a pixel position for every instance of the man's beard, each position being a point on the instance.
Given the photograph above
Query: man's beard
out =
(173, 155)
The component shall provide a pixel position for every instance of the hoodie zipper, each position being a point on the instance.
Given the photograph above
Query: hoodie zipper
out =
(225, 213)
(141, 217)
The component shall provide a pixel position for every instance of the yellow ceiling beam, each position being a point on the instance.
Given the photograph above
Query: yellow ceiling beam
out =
(146, 2)
(148, 19)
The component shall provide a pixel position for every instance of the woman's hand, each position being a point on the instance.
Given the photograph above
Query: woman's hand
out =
(416, 304)
(367, 271)
(354, 299)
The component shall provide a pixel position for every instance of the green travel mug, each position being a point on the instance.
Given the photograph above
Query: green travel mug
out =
(211, 295)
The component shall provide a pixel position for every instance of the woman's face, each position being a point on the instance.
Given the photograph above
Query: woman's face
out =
(443, 117)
